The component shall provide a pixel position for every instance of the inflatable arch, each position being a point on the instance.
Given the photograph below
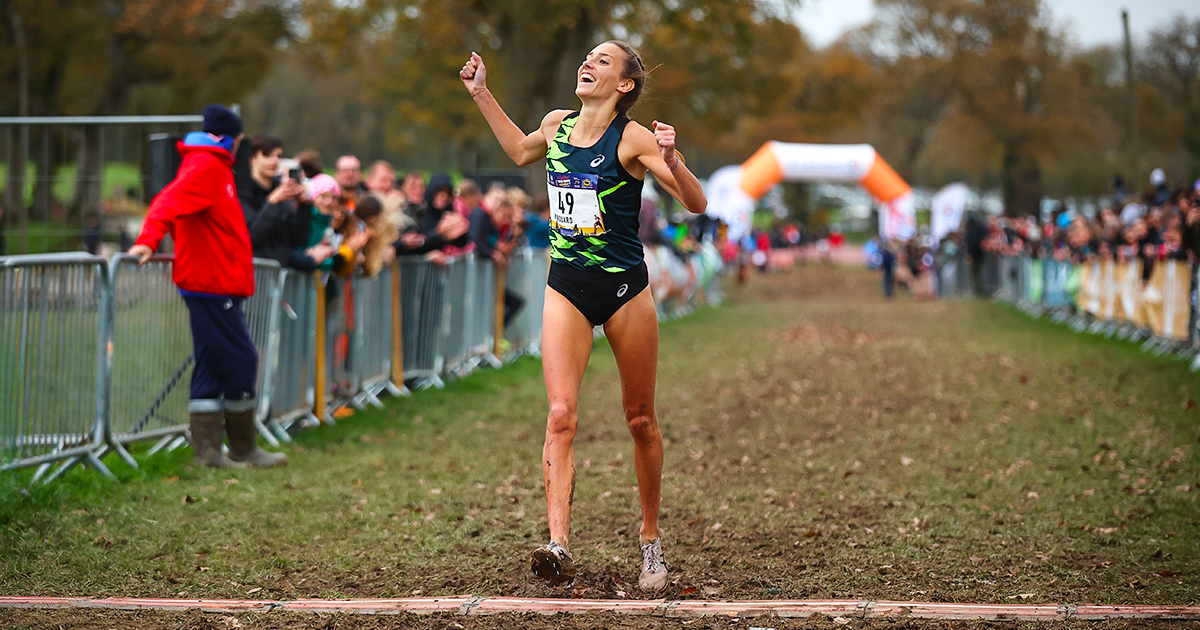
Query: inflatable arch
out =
(734, 189)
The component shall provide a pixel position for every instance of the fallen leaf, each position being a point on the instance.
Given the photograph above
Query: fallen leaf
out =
(1021, 596)
(229, 482)
(187, 498)
(841, 621)
(1168, 573)
(231, 622)
(696, 520)
(906, 461)
(847, 474)
(254, 590)
(812, 533)
(1137, 584)
(688, 590)
(621, 594)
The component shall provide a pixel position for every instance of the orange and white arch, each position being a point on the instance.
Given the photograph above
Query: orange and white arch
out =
(734, 189)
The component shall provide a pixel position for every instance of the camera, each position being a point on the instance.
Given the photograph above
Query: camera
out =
(294, 174)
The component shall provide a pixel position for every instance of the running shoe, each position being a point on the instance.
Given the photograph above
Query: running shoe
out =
(654, 566)
(553, 562)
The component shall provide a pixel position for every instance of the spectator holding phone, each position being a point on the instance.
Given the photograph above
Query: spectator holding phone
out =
(276, 206)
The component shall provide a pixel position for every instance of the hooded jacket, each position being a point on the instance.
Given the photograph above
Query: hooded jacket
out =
(201, 212)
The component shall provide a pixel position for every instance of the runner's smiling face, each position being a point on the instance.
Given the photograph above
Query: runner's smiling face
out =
(600, 73)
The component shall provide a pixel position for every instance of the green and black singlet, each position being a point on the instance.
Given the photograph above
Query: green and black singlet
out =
(594, 202)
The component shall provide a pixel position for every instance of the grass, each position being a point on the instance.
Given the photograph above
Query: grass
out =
(117, 176)
(821, 443)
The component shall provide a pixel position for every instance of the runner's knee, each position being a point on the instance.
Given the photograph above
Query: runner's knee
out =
(642, 423)
(561, 421)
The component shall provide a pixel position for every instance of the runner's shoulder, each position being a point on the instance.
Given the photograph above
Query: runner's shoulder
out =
(555, 118)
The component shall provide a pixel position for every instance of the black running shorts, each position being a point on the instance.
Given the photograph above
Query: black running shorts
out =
(598, 295)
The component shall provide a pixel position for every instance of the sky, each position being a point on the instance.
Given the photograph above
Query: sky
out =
(1088, 22)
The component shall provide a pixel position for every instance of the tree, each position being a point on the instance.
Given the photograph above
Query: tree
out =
(1007, 68)
(1171, 62)
(87, 57)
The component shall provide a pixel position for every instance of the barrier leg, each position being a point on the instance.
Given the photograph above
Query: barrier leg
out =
(498, 313)
(396, 386)
(319, 387)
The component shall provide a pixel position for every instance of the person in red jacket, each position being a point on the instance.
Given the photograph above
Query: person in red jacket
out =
(214, 270)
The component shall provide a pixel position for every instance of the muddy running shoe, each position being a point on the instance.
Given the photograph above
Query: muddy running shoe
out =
(654, 566)
(553, 562)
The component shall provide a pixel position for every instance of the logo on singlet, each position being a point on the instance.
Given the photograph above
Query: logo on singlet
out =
(598, 161)
(622, 290)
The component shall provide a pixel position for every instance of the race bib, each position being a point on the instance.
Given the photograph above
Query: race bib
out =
(575, 204)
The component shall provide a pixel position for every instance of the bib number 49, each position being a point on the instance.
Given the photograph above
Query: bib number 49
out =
(566, 202)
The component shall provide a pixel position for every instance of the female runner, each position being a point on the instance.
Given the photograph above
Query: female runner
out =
(596, 159)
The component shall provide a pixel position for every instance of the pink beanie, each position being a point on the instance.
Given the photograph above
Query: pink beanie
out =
(322, 184)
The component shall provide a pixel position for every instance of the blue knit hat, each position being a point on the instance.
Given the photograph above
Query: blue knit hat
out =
(221, 121)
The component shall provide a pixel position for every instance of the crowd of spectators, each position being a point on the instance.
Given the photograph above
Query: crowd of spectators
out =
(1162, 223)
(346, 223)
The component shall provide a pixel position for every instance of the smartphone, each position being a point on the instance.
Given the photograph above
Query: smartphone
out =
(294, 174)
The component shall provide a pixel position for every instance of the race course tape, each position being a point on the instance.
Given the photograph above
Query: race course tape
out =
(861, 609)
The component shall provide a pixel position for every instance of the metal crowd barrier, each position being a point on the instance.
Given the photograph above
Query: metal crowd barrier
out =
(263, 311)
(52, 375)
(151, 347)
(527, 273)
(422, 303)
(1110, 298)
(293, 366)
(151, 360)
(97, 355)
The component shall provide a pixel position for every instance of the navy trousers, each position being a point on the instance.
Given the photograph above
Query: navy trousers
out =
(226, 363)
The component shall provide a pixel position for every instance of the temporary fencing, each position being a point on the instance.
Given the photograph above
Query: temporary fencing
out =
(97, 354)
(52, 375)
(1105, 297)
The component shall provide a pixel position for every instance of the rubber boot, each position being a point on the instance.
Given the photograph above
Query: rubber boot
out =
(243, 441)
(208, 428)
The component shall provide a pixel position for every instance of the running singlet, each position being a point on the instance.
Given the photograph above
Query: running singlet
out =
(594, 202)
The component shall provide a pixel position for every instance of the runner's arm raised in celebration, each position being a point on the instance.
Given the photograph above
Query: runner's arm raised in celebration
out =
(523, 149)
(655, 152)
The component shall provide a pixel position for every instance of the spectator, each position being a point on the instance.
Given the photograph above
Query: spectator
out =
(413, 189)
(310, 163)
(380, 236)
(1131, 211)
(349, 179)
(382, 184)
(327, 218)
(976, 233)
(277, 208)
(491, 232)
(887, 264)
(214, 270)
(469, 197)
(1158, 179)
(537, 225)
(92, 236)
(437, 225)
